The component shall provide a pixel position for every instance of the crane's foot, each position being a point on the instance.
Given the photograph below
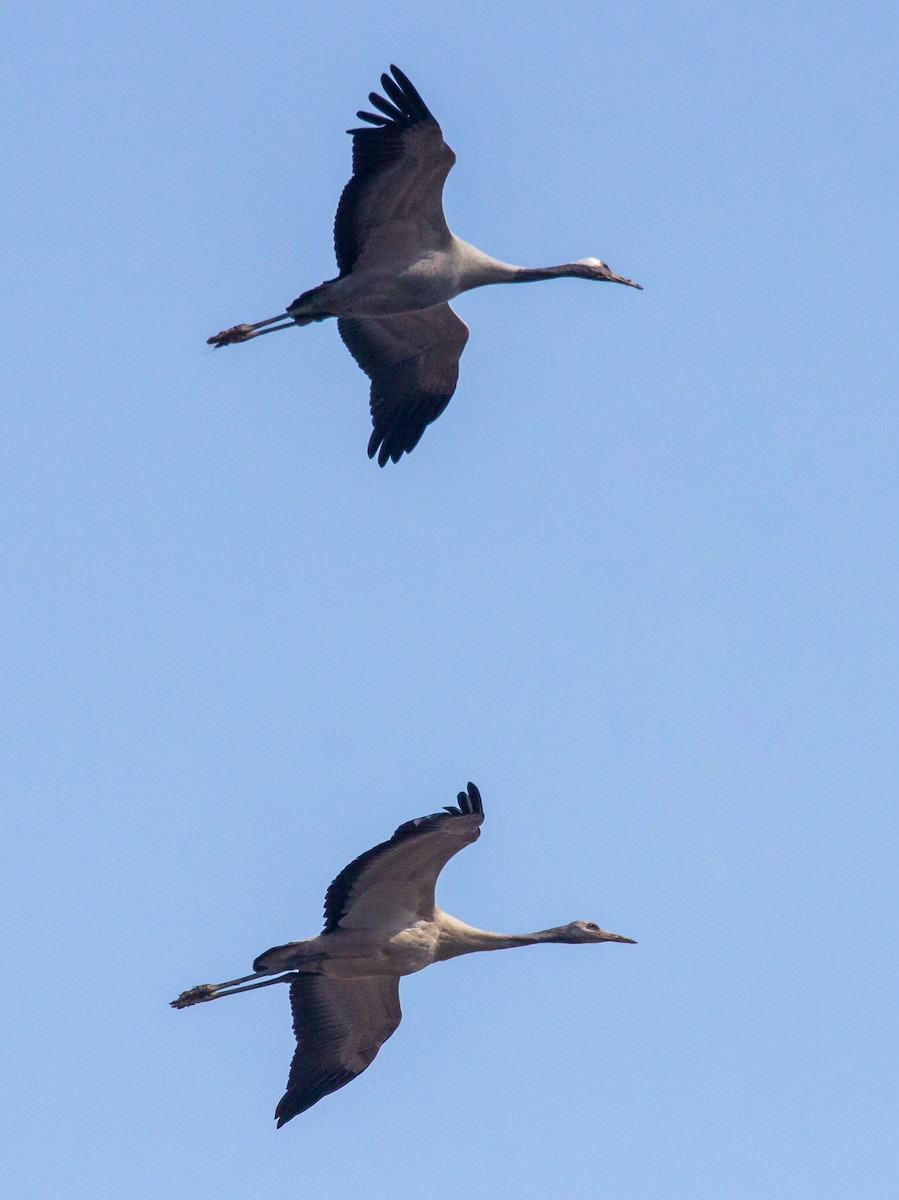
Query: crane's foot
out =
(195, 995)
(237, 333)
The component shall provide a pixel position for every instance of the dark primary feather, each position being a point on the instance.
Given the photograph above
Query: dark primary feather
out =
(423, 160)
(338, 894)
(412, 360)
(340, 1025)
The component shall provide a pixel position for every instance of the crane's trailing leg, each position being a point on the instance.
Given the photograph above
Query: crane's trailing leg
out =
(243, 333)
(212, 991)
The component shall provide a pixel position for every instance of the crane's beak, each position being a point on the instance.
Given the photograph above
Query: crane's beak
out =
(616, 937)
(612, 278)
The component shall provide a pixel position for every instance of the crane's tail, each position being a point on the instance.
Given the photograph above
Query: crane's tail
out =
(289, 957)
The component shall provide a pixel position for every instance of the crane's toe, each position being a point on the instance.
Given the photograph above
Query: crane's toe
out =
(195, 995)
(237, 333)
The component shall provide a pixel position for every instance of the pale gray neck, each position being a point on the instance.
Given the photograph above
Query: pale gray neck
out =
(477, 269)
(457, 938)
(484, 271)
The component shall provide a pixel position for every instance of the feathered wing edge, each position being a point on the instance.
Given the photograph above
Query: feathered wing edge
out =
(404, 106)
(469, 803)
(376, 146)
(412, 360)
(340, 1025)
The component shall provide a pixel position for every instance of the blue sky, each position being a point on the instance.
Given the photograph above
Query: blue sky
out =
(639, 583)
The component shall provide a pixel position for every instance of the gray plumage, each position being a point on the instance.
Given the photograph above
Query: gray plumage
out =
(399, 266)
(381, 922)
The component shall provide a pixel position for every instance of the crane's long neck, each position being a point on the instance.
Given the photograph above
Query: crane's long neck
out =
(458, 938)
(537, 274)
(479, 269)
(492, 271)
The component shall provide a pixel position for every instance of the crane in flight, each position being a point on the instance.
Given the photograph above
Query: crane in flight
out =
(381, 922)
(399, 266)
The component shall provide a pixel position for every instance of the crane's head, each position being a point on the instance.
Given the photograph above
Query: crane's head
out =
(587, 931)
(595, 268)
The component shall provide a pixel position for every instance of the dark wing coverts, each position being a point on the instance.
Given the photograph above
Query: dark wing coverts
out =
(340, 1025)
(412, 360)
(401, 872)
(399, 168)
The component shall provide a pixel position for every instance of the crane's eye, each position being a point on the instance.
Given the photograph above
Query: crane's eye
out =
(590, 925)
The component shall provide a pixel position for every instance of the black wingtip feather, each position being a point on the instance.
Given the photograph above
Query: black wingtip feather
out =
(470, 801)
(411, 94)
(294, 1102)
(399, 433)
(372, 118)
(403, 104)
(391, 111)
(396, 94)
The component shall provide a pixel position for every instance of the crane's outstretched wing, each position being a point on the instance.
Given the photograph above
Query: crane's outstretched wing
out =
(412, 360)
(340, 1025)
(394, 201)
(393, 883)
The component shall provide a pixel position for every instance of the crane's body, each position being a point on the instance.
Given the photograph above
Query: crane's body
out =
(414, 281)
(399, 267)
(422, 281)
(381, 922)
(404, 945)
